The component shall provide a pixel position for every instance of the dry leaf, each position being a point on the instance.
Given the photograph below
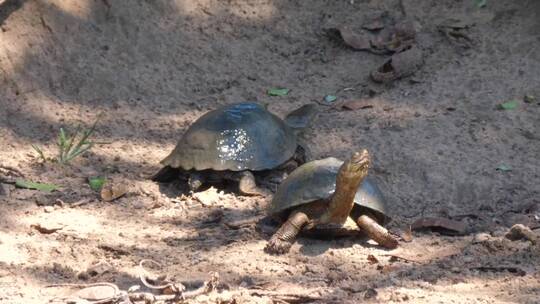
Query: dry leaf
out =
(357, 104)
(110, 191)
(441, 225)
(355, 40)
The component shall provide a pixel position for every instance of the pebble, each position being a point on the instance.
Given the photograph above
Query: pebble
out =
(48, 209)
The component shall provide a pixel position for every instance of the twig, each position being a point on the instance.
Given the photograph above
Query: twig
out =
(285, 297)
(403, 258)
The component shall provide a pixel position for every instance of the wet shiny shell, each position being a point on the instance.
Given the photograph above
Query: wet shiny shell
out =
(242, 136)
(316, 180)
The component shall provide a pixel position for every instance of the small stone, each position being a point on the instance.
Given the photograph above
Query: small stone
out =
(529, 98)
(48, 209)
(520, 232)
(481, 238)
(370, 294)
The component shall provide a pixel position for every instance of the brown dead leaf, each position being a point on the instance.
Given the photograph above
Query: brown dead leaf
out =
(351, 38)
(372, 259)
(374, 24)
(47, 228)
(357, 104)
(441, 225)
(111, 191)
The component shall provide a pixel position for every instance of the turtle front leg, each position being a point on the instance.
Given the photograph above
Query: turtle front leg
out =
(247, 184)
(195, 181)
(283, 239)
(376, 232)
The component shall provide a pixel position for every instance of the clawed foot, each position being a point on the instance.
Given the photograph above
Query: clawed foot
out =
(277, 246)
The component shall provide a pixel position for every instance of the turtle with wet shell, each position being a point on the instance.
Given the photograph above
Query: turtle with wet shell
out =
(327, 198)
(234, 142)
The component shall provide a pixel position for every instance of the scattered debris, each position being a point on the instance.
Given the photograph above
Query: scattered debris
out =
(116, 249)
(480, 3)
(400, 65)
(441, 225)
(36, 186)
(112, 191)
(209, 197)
(503, 168)
(481, 238)
(380, 39)
(330, 98)
(394, 257)
(96, 183)
(374, 24)
(529, 98)
(47, 228)
(372, 259)
(357, 41)
(521, 232)
(48, 209)
(357, 104)
(509, 105)
(277, 92)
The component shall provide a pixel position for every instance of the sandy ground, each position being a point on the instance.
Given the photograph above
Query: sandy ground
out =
(153, 67)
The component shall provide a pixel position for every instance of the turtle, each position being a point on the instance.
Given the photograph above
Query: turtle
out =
(234, 141)
(329, 197)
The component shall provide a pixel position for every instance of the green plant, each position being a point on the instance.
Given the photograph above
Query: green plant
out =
(71, 145)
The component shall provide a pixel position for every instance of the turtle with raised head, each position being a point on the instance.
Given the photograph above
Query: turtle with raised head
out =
(235, 141)
(329, 197)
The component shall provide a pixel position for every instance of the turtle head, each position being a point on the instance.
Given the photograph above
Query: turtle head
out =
(350, 176)
(357, 166)
(300, 118)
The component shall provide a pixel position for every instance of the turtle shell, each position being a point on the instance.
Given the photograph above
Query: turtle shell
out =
(236, 137)
(316, 180)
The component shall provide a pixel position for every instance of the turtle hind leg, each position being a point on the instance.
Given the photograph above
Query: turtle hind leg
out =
(284, 238)
(195, 181)
(247, 184)
(166, 174)
(376, 232)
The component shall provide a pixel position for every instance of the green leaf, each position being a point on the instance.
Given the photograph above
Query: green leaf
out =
(503, 168)
(480, 3)
(509, 105)
(96, 183)
(330, 98)
(36, 186)
(278, 92)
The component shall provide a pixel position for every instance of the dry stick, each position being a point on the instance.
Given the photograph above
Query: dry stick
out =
(403, 258)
